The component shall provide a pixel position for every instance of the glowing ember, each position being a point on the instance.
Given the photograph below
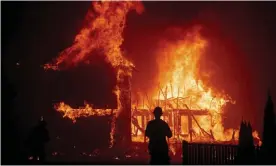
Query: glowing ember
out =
(257, 138)
(54, 153)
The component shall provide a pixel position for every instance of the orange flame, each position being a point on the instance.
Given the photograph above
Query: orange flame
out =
(177, 70)
(103, 32)
(81, 112)
(181, 88)
(257, 138)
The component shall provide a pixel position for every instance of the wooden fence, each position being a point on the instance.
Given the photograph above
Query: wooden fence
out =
(198, 153)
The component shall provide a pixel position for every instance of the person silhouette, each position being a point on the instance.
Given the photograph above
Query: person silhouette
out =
(39, 136)
(157, 131)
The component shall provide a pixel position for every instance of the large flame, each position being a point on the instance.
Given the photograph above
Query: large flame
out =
(105, 22)
(181, 88)
(178, 67)
(178, 72)
(103, 32)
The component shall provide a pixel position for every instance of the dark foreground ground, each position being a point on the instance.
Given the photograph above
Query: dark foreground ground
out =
(137, 161)
(140, 160)
(137, 154)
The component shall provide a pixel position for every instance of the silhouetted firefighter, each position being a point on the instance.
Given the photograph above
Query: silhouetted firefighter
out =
(39, 136)
(157, 131)
(246, 149)
(268, 148)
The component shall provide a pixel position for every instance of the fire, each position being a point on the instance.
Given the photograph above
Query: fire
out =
(179, 83)
(81, 112)
(257, 138)
(180, 88)
(102, 33)
(178, 79)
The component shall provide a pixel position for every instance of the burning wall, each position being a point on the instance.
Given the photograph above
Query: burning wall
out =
(103, 33)
(179, 87)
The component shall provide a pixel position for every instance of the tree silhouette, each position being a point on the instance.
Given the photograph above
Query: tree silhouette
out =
(269, 133)
(246, 149)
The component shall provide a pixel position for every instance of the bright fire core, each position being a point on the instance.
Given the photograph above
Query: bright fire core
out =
(193, 111)
(190, 107)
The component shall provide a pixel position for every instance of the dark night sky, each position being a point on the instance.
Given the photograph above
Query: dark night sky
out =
(242, 54)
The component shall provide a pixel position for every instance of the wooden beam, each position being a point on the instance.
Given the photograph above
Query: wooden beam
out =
(201, 127)
(180, 111)
(190, 127)
(136, 124)
(193, 112)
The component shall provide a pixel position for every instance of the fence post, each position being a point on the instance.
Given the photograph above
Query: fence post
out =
(185, 152)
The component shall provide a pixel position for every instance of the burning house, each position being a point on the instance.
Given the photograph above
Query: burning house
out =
(192, 110)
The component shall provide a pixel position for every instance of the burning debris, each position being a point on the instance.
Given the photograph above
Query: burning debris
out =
(193, 110)
(82, 112)
(96, 152)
